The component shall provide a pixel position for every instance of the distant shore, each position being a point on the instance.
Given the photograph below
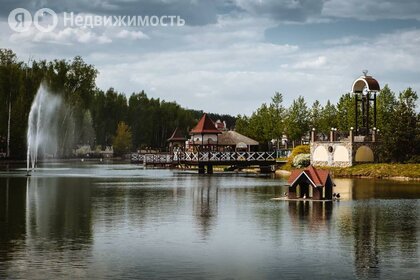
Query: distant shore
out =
(391, 171)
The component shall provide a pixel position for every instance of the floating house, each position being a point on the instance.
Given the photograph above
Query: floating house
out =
(310, 183)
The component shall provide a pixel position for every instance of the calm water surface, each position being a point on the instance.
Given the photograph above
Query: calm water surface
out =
(123, 221)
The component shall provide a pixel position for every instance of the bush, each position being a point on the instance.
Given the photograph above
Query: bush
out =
(301, 149)
(302, 160)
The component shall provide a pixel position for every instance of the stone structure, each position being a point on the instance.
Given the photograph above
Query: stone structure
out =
(361, 144)
(344, 152)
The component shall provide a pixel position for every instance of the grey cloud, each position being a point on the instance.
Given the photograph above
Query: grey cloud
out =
(203, 12)
(283, 10)
(194, 12)
(372, 10)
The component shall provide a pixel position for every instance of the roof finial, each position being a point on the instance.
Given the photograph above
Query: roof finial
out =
(365, 72)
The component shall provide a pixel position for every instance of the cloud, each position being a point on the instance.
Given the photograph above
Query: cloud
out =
(231, 64)
(283, 10)
(316, 63)
(238, 78)
(194, 12)
(372, 10)
(66, 36)
(133, 35)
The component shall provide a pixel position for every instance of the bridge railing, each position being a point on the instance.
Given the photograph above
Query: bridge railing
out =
(151, 158)
(203, 157)
(223, 156)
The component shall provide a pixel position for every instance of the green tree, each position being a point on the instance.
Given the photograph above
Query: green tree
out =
(386, 112)
(297, 120)
(405, 127)
(277, 115)
(328, 118)
(315, 115)
(122, 140)
(345, 112)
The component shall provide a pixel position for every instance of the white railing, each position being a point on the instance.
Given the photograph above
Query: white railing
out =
(223, 156)
(203, 157)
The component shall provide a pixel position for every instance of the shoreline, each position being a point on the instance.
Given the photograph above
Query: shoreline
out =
(381, 171)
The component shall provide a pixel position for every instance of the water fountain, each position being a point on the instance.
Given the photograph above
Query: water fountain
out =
(42, 126)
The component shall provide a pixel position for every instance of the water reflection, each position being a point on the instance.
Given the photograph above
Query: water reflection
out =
(205, 199)
(12, 219)
(382, 230)
(162, 224)
(315, 214)
(45, 217)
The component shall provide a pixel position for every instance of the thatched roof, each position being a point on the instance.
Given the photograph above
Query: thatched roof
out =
(233, 138)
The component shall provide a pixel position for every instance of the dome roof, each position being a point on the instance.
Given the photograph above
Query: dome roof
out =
(367, 82)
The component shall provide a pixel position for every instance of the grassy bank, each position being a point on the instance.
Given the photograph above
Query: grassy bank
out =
(379, 170)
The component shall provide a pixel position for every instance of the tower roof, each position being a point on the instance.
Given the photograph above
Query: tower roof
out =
(205, 126)
(177, 136)
(367, 82)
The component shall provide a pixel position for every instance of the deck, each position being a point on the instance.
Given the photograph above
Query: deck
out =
(263, 159)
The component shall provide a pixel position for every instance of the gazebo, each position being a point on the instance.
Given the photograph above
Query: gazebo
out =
(310, 183)
(176, 141)
(205, 135)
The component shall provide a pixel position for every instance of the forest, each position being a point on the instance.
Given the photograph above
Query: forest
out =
(90, 115)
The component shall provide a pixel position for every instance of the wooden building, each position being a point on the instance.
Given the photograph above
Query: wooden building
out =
(204, 136)
(177, 141)
(310, 183)
(233, 141)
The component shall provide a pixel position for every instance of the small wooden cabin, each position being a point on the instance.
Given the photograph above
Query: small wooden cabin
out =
(310, 183)
(177, 141)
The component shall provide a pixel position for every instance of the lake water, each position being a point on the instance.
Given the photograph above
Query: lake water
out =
(123, 221)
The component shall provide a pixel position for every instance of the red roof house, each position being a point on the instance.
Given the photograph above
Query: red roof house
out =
(205, 135)
(205, 126)
(310, 183)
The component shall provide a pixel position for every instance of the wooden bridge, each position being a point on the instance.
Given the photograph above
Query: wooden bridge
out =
(208, 159)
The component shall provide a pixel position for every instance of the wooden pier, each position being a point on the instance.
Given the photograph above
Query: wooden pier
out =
(207, 159)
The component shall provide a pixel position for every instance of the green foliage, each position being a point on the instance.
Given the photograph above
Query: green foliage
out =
(302, 160)
(266, 123)
(315, 115)
(386, 107)
(297, 120)
(328, 118)
(405, 127)
(122, 140)
(301, 149)
(345, 112)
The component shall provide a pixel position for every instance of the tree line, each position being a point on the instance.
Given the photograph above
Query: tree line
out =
(90, 115)
(398, 122)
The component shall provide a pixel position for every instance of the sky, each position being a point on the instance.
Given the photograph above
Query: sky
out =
(232, 55)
